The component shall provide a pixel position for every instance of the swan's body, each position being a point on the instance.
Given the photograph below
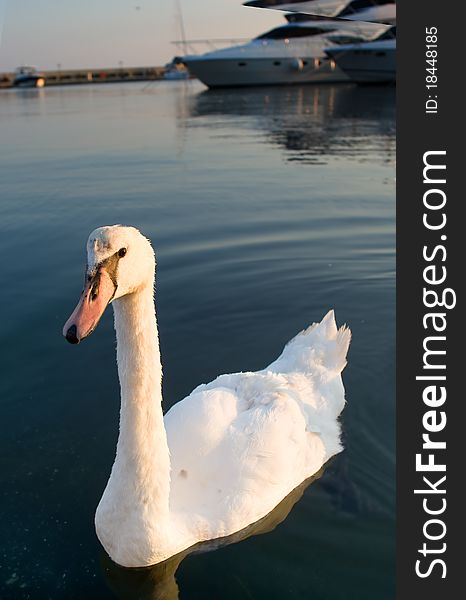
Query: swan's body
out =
(226, 455)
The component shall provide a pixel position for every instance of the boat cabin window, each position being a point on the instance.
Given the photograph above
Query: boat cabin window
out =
(357, 5)
(346, 39)
(291, 31)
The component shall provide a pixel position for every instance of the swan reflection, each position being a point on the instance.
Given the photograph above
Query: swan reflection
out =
(159, 582)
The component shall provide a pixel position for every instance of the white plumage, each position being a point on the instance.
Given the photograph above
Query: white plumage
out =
(226, 455)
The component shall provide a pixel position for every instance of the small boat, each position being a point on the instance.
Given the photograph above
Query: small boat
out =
(28, 77)
(176, 70)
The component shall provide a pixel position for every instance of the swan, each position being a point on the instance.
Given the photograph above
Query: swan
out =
(226, 455)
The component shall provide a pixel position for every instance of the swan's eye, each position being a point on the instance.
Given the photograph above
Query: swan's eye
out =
(122, 252)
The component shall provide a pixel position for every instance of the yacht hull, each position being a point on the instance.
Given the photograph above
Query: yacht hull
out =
(242, 72)
(29, 82)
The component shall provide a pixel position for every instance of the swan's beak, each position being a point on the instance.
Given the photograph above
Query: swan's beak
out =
(98, 292)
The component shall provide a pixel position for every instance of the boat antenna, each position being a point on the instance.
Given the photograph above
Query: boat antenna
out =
(181, 24)
(2, 19)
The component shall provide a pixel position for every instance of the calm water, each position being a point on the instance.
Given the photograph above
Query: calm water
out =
(266, 208)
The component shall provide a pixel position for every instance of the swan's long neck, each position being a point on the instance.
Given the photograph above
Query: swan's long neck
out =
(142, 461)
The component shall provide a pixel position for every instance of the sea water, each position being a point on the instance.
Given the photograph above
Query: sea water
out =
(266, 207)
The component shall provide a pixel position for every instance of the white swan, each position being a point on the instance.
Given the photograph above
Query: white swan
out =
(226, 455)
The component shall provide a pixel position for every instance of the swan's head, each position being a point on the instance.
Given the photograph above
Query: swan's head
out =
(120, 261)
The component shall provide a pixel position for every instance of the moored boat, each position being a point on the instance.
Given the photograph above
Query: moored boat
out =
(369, 62)
(294, 53)
(28, 77)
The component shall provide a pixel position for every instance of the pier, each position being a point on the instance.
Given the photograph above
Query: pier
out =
(86, 76)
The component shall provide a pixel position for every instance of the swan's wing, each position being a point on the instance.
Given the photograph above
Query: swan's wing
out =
(322, 347)
(246, 440)
(237, 449)
(319, 354)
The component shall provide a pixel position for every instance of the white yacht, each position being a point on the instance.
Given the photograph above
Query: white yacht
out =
(376, 11)
(369, 62)
(293, 53)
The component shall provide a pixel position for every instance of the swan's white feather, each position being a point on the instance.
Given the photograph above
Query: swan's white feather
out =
(241, 443)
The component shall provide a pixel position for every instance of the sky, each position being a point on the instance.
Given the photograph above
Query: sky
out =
(107, 33)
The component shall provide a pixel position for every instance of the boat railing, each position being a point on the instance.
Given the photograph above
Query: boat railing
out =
(199, 46)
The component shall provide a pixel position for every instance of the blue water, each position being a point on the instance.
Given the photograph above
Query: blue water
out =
(266, 207)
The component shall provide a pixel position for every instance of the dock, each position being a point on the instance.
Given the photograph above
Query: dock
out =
(87, 76)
